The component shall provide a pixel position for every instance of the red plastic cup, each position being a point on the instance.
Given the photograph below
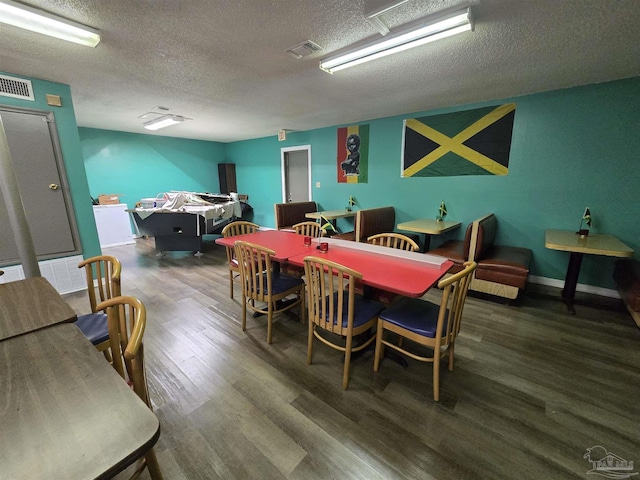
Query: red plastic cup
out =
(324, 247)
(307, 241)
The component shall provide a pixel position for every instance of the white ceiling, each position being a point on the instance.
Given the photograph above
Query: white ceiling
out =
(223, 63)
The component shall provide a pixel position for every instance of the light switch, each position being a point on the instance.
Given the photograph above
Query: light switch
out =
(317, 184)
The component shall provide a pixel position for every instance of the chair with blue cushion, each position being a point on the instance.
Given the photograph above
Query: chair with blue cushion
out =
(262, 283)
(127, 320)
(334, 306)
(105, 271)
(239, 227)
(426, 323)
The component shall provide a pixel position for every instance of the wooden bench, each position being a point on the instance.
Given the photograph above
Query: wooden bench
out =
(288, 214)
(502, 270)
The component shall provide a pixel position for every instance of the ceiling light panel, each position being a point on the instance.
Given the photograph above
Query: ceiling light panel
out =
(39, 21)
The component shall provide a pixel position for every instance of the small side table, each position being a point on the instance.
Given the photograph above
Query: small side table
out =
(577, 245)
(428, 227)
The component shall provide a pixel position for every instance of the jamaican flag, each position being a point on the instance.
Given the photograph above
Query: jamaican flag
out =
(353, 154)
(472, 142)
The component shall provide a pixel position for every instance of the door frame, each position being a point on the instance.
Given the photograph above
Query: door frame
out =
(49, 117)
(283, 152)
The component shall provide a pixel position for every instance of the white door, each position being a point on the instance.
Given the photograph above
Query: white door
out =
(296, 174)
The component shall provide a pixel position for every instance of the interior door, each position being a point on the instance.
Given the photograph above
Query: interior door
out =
(296, 174)
(37, 162)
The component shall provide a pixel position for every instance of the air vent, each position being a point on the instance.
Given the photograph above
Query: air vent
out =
(303, 49)
(16, 88)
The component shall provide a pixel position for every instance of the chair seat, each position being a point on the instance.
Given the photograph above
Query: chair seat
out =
(415, 315)
(94, 327)
(281, 282)
(364, 310)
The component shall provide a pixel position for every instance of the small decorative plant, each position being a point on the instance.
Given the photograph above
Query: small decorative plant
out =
(327, 227)
(586, 220)
(350, 203)
(442, 212)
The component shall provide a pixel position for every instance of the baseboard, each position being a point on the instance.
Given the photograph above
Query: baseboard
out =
(589, 289)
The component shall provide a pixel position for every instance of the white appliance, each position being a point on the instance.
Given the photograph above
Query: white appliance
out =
(114, 225)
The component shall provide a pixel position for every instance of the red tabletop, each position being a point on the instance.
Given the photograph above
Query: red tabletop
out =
(404, 273)
(285, 244)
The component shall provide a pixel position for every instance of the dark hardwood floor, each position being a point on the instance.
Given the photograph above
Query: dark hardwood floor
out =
(533, 388)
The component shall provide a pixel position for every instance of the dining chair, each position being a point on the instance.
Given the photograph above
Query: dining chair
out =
(127, 320)
(261, 283)
(103, 282)
(308, 229)
(239, 227)
(394, 240)
(334, 306)
(426, 323)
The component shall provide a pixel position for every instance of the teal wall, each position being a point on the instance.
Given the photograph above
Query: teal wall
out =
(73, 160)
(571, 149)
(141, 166)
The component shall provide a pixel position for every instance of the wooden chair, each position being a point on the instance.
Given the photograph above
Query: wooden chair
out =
(428, 324)
(127, 319)
(309, 229)
(260, 283)
(337, 309)
(394, 240)
(104, 270)
(231, 230)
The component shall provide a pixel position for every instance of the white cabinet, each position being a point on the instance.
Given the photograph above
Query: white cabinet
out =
(114, 226)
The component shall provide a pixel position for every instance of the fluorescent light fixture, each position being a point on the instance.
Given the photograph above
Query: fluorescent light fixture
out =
(39, 21)
(419, 32)
(164, 121)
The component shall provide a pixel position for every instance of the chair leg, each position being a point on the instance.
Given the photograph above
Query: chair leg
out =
(230, 283)
(269, 322)
(152, 465)
(347, 362)
(310, 343)
(379, 347)
(244, 312)
(436, 374)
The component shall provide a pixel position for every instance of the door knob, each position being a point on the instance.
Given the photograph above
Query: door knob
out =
(54, 186)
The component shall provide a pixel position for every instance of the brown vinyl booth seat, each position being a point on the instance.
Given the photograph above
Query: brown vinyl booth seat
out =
(627, 276)
(371, 221)
(289, 214)
(502, 270)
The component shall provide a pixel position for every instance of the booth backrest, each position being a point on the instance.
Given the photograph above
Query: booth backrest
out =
(288, 214)
(486, 236)
(372, 221)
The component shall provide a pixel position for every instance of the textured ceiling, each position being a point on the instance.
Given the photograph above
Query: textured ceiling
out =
(223, 63)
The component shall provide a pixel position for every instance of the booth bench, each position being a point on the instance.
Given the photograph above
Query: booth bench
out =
(627, 276)
(502, 270)
(288, 214)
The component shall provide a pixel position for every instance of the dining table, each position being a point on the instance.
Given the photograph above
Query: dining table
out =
(579, 245)
(402, 272)
(65, 412)
(283, 243)
(31, 304)
(428, 227)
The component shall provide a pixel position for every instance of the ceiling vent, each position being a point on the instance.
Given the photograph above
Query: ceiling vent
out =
(303, 49)
(16, 88)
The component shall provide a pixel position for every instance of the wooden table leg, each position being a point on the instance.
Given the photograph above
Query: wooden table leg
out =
(571, 280)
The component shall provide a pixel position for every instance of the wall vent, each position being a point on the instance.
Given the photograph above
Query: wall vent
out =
(16, 88)
(303, 49)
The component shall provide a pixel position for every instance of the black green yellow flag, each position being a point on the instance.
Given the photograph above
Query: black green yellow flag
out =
(472, 142)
